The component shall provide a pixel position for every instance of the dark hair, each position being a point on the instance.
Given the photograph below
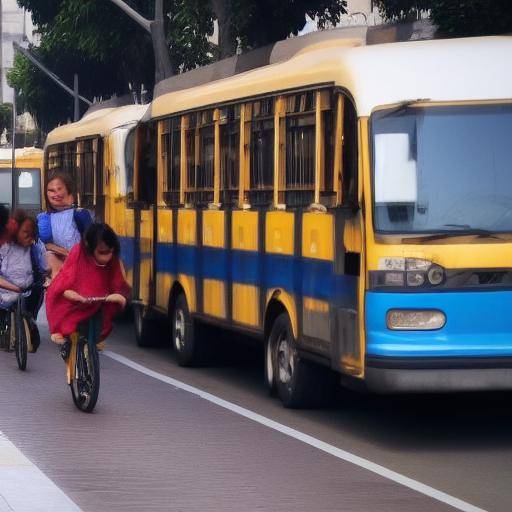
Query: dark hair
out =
(65, 177)
(4, 218)
(21, 216)
(99, 232)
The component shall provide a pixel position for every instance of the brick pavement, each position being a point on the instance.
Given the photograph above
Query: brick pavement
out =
(152, 447)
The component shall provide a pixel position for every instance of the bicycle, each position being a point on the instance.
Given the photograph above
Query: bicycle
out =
(82, 361)
(15, 330)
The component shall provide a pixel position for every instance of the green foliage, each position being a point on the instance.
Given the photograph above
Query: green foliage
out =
(456, 17)
(107, 49)
(260, 22)
(6, 118)
(189, 24)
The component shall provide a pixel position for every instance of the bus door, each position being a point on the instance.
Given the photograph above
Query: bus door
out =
(89, 177)
(144, 210)
(100, 180)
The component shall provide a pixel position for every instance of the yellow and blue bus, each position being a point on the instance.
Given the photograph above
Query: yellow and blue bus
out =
(98, 152)
(347, 204)
(28, 166)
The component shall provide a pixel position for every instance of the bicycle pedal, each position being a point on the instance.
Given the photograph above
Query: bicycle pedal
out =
(65, 350)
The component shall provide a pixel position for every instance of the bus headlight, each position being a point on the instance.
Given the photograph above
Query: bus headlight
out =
(406, 272)
(435, 275)
(415, 278)
(415, 319)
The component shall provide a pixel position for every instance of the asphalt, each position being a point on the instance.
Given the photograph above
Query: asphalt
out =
(152, 447)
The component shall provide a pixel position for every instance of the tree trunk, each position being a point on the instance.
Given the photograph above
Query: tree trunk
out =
(156, 27)
(163, 66)
(223, 12)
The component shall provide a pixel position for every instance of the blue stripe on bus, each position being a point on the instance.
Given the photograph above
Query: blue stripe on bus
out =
(246, 267)
(301, 276)
(215, 263)
(127, 251)
(478, 323)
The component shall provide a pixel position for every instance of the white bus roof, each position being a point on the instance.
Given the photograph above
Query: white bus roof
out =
(443, 70)
(97, 123)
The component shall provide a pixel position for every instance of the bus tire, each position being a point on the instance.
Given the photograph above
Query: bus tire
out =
(294, 378)
(145, 332)
(269, 366)
(186, 342)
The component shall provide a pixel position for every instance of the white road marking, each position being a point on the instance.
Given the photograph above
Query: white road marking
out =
(24, 487)
(305, 438)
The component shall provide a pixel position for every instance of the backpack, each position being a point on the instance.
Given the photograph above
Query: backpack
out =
(81, 217)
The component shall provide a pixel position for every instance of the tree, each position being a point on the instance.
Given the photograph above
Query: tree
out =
(455, 17)
(255, 23)
(155, 27)
(91, 38)
(6, 119)
(94, 39)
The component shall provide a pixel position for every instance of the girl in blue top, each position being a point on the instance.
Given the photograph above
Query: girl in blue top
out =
(62, 225)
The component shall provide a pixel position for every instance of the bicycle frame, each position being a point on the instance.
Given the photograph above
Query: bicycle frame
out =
(91, 336)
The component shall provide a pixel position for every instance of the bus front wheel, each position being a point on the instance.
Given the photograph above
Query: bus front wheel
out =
(292, 377)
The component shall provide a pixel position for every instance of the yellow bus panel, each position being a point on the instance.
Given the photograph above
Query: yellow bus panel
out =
(187, 227)
(165, 226)
(279, 234)
(244, 235)
(214, 298)
(246, 309)
(318, 236)
(213, 228)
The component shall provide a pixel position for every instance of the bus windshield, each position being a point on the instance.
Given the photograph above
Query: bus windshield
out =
(443, 169)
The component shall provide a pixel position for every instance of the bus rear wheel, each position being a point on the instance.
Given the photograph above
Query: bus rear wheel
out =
(145, 332)
(295, 379)
(186, 341)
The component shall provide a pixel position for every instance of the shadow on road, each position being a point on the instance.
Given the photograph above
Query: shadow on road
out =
(416, 422)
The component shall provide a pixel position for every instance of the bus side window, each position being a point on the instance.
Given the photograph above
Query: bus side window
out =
(129, 159)
(146, 175)
(349, 178)
(300, 143)
(206, 155)
(261, 180)
(171, 147)
(87, 164)
(63, 157)
(200, 144)
(229, 154)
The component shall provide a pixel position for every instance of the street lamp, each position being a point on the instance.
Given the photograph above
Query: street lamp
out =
(13, 155)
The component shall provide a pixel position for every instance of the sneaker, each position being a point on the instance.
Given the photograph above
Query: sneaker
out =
(65, 349)
(101, 345)
(35, 339)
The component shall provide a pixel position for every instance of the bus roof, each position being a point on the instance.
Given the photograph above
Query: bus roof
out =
(25, 157)
(96, 123)
(442, 70)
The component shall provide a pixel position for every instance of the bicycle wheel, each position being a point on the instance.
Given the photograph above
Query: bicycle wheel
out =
(85, 385)
(21, 339)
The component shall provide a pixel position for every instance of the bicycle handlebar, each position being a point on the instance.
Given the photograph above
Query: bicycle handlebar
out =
(96, 299)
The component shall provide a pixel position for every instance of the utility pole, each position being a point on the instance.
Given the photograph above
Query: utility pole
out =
(76, 110)
(13, 155)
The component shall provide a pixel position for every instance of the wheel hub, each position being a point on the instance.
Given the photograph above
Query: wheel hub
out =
(285, 359)
(179, 329)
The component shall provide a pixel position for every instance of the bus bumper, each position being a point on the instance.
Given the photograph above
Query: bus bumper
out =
(472, 352)
(399, 376)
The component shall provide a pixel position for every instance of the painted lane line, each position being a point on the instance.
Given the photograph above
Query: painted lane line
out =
(24, 487)
(305, 438)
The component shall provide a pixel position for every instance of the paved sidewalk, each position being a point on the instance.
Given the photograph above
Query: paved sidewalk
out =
(24, 488)
(152, 447)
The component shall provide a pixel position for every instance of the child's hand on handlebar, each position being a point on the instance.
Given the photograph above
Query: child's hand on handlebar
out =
(116, 298)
